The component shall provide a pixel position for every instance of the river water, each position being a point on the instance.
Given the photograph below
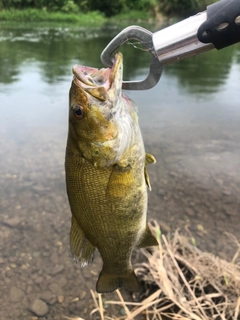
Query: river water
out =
(190, 122)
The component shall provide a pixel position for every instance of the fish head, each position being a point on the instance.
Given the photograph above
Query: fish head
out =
(95, 109)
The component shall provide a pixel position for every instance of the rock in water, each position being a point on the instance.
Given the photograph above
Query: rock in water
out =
(16, 294)
(39, 308)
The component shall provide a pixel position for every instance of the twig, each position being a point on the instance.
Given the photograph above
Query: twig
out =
(96, 304)
(237, 310)
(101, 310)
(124, 305)
(182, 276)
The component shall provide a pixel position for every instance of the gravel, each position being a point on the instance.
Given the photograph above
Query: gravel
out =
(37, 270)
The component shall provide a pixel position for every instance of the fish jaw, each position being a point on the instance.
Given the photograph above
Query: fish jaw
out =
(103, 84)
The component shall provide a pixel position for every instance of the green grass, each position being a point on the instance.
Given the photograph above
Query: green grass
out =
(36, 15)
(90, 18)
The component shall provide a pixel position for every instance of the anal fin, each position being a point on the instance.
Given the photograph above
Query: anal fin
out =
(147, 239)
(81, 248)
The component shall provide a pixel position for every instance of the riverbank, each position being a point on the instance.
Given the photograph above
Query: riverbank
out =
(90, 18)
(34, 15)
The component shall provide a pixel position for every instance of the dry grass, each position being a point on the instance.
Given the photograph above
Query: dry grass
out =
(180, 282)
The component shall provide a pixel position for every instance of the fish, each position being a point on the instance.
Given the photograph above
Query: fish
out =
(106, 175)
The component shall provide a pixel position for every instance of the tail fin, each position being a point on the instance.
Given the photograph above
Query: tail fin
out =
(110, 282)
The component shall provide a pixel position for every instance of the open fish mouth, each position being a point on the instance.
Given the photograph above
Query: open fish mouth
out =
(87, 77)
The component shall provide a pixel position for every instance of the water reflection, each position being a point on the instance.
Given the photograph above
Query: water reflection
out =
(54, 50)
(205, 73)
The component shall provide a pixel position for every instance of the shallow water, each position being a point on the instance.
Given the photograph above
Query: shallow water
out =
(190, 122)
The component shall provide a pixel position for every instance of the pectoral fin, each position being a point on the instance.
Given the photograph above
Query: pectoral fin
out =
(120, 182)
(147, 239)
(81, 248)
(147, 179)
(148, 160)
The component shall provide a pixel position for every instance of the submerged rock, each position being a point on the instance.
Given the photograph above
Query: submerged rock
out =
(39, 308)
(48, 297)
(16, 294)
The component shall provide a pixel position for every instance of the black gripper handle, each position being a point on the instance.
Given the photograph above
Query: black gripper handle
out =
(222, 27)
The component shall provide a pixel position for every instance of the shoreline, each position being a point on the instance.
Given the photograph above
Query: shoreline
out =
(90, 18)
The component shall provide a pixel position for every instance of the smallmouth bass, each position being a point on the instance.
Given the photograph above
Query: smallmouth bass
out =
(106, 175)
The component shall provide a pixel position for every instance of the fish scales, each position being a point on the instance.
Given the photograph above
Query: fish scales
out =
(106, 175)
(96, 195)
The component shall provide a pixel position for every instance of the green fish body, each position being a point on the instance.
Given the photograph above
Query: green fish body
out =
(106, 175)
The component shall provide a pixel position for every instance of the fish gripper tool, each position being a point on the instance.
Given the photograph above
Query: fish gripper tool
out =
(217, 27)
(145, 37)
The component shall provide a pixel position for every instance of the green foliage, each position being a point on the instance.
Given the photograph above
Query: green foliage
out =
(111, 8)
(52, 5)
(169, 7)
(140, 4)
(69, 7)
(83, 5)
(33, 15)
(108, 7)
(181, 6)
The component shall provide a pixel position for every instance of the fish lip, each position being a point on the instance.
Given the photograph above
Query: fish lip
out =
(87, 77)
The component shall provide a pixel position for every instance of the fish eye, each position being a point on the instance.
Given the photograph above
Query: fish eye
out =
(78, 111)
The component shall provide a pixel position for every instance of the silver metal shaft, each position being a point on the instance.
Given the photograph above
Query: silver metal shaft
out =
(180, 41)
